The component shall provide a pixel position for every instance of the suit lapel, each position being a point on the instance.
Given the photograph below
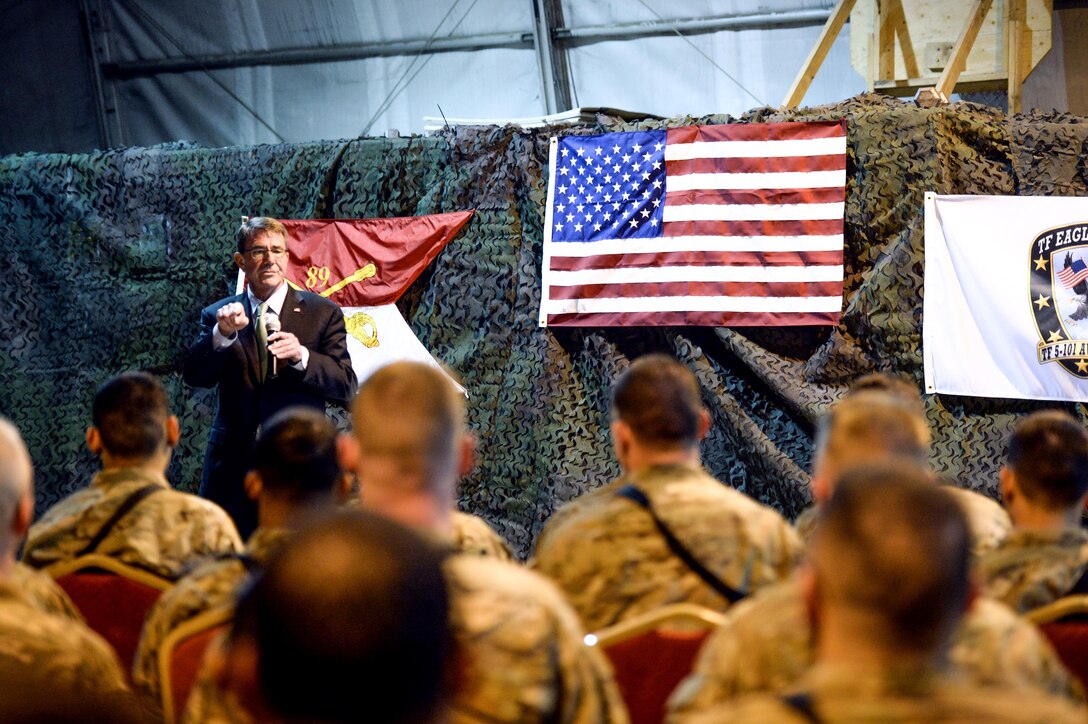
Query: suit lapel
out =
(291, 314)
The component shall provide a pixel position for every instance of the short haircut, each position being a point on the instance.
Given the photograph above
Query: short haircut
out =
(659, 399)
(412, 412)
(255, 226)
(16, 471)
(1048, 454)
(130, 412)
(296, 455)
(870, 426)
(894, 545)
(350, 619)
(900, 387)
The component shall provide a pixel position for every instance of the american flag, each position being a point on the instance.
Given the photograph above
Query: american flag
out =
(1073, 275)
(729, 225)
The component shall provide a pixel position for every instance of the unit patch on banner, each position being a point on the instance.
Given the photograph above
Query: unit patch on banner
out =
(1059, 296)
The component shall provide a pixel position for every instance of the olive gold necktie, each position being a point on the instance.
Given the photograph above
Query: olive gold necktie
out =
(262, 338)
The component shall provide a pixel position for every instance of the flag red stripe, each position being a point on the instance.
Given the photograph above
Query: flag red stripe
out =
(695, 319)
(800, 227)
(803, 130)
(695, 258)
(697, 289)
(755, 196)
(780, 164)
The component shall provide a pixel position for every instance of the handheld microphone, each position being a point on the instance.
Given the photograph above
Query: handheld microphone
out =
(271, 326)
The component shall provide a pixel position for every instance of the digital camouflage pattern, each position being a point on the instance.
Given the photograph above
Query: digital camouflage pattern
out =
(841, 694)
(1034, 568)
(766, 645)
(43, 593)
(166, 533)
(211, 585)
(472, 535)
(612, 562)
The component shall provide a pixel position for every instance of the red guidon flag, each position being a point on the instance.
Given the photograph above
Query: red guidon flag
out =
(365, 265)
(729, 225)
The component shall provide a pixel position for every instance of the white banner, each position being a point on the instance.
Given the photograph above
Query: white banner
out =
(1006, 296)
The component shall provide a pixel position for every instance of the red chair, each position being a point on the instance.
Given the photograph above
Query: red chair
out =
(652, 653)
(181, 657)
(1065, 624)
(113, 598)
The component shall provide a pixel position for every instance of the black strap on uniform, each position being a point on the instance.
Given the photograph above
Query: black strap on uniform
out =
(122, 510)
(1080, 586)
(679, 549)
(801, 703)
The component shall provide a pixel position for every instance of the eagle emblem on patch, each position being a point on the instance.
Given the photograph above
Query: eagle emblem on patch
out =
(1059, 296)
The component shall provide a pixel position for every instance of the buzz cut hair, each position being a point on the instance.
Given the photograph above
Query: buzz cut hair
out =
(871, 425)
(130, 412)
(1048, 454)
(254, 226)
(296, 455)
(659, 399)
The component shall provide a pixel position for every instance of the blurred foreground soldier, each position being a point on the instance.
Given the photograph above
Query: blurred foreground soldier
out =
(47, 662)
(348, 623)
(524, 653)
(767, 641)
(1044, 484)
(614, 557)
(296, 471)
(129, 511)
(887, 585)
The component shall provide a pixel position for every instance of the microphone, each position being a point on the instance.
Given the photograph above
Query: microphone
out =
(271, 326)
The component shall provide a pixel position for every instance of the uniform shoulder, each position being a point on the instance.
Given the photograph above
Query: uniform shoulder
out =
(496, 579)
(473, 535)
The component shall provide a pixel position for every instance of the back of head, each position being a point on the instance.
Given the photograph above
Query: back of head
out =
(255, 226)
(893, 549)
(350, 621)
(130, 412)
(1048, 454)
(296, 456)
(658, 398)
(897, 386)
(410, 415)
(16, 472)
(869, 426)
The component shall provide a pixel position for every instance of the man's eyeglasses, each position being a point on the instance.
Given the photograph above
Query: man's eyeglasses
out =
(258, 253)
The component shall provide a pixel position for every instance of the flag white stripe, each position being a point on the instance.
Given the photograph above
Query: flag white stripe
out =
(609, 305)
(755, 149)
(644, 275)
(789, 180)
(751, 212)
(665, 244)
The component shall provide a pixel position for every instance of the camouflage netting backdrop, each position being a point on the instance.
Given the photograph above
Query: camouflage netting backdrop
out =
(108, 257)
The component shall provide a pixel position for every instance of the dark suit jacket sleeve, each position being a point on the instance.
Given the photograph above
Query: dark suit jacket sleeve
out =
(329, 368)
(204, 365)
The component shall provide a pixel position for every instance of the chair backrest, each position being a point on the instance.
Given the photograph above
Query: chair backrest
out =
(652, 653)
(113, 598)
(181, 657)
(1065, 624)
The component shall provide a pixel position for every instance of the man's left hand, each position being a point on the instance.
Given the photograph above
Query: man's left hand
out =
(285, 346)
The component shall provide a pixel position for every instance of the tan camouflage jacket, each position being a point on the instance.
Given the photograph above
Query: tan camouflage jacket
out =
(211, 585)
(766, 645)
(1034, 568)
(166, 533)
(861, 694)
(612, 563)
(472, 535)
(43, 592)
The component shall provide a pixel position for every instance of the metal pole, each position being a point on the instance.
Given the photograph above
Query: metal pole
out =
(551, 62)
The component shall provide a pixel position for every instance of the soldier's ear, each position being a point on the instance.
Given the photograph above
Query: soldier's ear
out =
(24, 514)
(173, 431)
(810, 593)
(253, 485)
(94, 440)
(1008, 485)
(704, 422)
(621, 439)
(347, 452)
(466, 455)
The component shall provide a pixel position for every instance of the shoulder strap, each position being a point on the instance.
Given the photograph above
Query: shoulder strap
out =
(801, 703)
(122, 510)
(1080, 586)
(635, 495)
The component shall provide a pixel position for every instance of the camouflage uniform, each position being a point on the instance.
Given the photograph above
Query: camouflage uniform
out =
(523, 646)
(210, 586)
(766, 645)
(166, 533)
(612, 562)
(1034, 568)
(43, 592)
(989, 522)
(57, 650)
(472, 535)
(855, 694)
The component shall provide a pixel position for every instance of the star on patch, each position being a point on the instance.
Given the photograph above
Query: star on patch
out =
(1042, 301)
(1040, 264)
(1055, 336)
(1082, 366)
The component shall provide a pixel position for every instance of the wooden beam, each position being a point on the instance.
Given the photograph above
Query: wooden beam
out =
(1013, 52)
(958, 60)
(818, 54)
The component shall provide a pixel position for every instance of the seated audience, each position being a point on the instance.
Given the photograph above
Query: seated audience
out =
(613, 557)
(129, 511)
(296, 470)
(766, 642)
(64, 659)
(525, 659)
(349, 623)
(1044, 484)
(886, 586)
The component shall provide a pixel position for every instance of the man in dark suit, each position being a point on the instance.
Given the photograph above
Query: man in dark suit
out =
(260, 371)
